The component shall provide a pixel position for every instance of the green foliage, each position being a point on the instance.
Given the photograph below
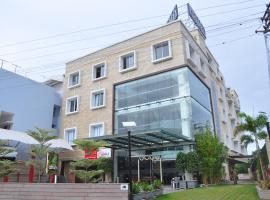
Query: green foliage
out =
(90, 145)
(192, 162)
(6, 167)
(156, 184)
(241, 168)
(211, 155)
(41, 135)
(39, 152)
(255, 127)
(136, 188)
(105, 164)
(4, 149)
(180, 162)
(246, 140)
(146, 187)
(91, 170)
(92, 176)
(207, 159)
(219, 192)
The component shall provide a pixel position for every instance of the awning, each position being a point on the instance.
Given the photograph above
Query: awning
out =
(16, 136)
(146, 140)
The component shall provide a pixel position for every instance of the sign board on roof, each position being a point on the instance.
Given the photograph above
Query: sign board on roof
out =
(174, 14)
(196, 20)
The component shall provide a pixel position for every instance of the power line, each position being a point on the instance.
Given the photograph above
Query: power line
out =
(223, 5)
(58, 67)
(233, 20)
(234, 40)
(89, 48)
(239, 29)
(113, 24)
(230, 11)
(79, 40)
(83, 39)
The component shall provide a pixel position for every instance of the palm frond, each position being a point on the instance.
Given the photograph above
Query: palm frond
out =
(246, 140)
(261, 135)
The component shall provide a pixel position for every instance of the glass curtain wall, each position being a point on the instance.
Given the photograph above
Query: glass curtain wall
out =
(176, 101)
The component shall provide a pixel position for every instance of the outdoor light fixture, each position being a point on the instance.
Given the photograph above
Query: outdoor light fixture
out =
(129, 125)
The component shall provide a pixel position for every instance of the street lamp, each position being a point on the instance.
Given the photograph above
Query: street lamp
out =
(129, 125)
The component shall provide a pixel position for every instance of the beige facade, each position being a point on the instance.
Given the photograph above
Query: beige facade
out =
(187, 49)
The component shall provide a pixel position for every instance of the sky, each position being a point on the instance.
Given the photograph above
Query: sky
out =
(41, 36)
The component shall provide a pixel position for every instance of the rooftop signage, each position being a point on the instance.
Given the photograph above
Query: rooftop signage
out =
(174, 14)
(196, 20)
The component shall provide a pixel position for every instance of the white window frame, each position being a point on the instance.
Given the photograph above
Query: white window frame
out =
(79, 82)
(164, 58)
(78, 104)
(104, 98)
(93, 71)
(67, 129)
(121, 70)
(96, 124)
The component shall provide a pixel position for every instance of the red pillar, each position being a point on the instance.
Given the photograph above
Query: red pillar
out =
(5, 179)
(52, 178)
(31, 174)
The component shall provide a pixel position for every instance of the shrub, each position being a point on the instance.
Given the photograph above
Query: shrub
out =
(157, 184)
(136, 188)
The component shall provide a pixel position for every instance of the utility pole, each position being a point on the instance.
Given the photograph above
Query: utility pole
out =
(266, 31)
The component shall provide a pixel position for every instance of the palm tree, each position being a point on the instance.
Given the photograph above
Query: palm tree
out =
(39, 152)
(4, 149)
(255, 128)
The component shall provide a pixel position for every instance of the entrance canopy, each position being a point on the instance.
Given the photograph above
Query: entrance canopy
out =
(146, 140)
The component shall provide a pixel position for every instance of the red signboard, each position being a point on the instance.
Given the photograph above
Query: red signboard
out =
(92, 155)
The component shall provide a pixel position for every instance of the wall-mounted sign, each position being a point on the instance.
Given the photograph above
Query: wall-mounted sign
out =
(90, 155)
(196, 20)
(104, 153)
(174, 14)
(101, 153)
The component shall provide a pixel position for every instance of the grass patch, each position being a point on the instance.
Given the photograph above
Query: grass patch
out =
(220, 192)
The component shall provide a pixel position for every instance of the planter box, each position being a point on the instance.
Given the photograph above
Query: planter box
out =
(263, 194)
(147, 195)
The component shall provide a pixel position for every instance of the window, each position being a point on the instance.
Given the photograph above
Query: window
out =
(127, 62)
(74, 79)
(161, 51)
(72, 105)
(70, 134)
(99, 71)
(56, 115)
(98, 99)
(96, 129)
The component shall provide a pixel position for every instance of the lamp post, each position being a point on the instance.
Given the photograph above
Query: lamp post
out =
(129, 125)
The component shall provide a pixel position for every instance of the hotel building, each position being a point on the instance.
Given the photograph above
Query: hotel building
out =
(167, 81)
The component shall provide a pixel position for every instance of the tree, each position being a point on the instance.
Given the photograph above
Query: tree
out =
(6, 166)
(192, 162)
(90, 170)
(255, 128)
(206, 160)
(180, 163)
(39, 152)
(4, 149)
(211, 155)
